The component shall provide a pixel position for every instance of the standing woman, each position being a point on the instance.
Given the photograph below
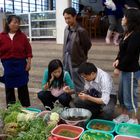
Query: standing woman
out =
(15, 55)
(127, 64)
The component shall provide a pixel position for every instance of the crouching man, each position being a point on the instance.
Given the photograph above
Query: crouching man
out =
(99, 95)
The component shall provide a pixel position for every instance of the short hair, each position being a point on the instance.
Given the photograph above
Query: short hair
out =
(8, 21)
(70, 11)
(87, 68)
(133, 19)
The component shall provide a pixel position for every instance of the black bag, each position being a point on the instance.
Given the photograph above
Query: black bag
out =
(94, 93)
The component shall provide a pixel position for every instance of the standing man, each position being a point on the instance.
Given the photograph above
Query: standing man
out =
(76, 46)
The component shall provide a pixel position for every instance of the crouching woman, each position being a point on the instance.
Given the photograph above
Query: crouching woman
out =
(56, 85)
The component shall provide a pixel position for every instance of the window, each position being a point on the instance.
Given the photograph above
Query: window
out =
(25, 6)
(38, 3)
(9, 6)
(17, 5)
(2, 6)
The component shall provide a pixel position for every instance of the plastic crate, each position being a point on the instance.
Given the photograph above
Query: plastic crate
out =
(77, 131)
(121, 137)
(110, 124)
(95, 134)
(128, 129)
(35, 110)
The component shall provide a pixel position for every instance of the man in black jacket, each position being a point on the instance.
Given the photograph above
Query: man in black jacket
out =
(76, 46)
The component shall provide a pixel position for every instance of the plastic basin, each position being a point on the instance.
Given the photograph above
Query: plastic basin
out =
(119, 137)
(76, 116)
(35, 110)
(101, 125)
(97, 135)
(128, 129)
(69, 129)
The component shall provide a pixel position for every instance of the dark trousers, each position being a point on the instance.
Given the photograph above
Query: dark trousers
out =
(98, 111)
(48, 99)
(23, 95)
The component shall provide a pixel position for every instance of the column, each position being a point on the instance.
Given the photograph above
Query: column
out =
(60, 22)
(2, 21)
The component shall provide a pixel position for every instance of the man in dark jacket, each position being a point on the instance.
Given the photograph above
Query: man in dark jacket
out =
(76, 47)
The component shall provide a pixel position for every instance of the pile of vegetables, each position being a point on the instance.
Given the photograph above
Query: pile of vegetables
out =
(100, 126)
(68, 133)
(19, 124)
(91, 135)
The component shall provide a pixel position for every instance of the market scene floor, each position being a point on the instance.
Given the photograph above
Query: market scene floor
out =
(100, 54)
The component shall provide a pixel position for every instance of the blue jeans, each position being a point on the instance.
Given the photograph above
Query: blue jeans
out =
(128, 90)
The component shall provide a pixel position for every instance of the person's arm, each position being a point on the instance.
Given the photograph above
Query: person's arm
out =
(106, 85)
(28, 48)
(45, 82)
(85, 41)
(84, 96)
(28, 51)
(28, 65)
(132, 49)
(69, 85)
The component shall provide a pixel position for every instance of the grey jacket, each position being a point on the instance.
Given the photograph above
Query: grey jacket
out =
(80, 45)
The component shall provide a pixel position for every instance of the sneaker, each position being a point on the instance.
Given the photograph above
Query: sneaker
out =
(121, 118)
(133, 121)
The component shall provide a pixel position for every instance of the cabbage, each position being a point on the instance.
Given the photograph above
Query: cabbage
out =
(54, 117)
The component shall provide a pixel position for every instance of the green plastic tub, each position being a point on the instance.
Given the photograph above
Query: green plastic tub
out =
(101, 125)
(96, 135)
(128, 129)
(35, 110)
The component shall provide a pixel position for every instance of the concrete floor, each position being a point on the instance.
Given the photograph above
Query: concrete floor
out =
(44, 51)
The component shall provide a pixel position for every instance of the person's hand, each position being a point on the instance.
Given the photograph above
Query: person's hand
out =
(66, 89)
(83, 96)
(116, 72)
(115, 64)
(52, 77)
(28, 66)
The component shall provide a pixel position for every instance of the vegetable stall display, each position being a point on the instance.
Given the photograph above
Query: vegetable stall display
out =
(19, 124)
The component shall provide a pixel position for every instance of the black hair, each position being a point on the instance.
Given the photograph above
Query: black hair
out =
(8, 21)
(87, 68)
(70, 11)
(53, 65)
(133, 19)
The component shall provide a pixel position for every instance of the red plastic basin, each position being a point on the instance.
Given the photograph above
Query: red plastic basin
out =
(65, 127)
(119, 137)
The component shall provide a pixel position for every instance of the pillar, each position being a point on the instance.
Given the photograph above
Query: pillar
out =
(60, 22)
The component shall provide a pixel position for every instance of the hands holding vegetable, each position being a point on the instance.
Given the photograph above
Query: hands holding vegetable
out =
(66, 89)
(83, 96)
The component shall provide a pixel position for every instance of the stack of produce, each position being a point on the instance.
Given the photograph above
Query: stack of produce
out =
(19, 124)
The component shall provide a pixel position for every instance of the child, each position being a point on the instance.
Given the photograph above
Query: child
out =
(56, 85)
(99, 95)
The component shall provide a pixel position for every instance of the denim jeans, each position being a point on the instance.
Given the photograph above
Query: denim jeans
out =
(128, 90)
